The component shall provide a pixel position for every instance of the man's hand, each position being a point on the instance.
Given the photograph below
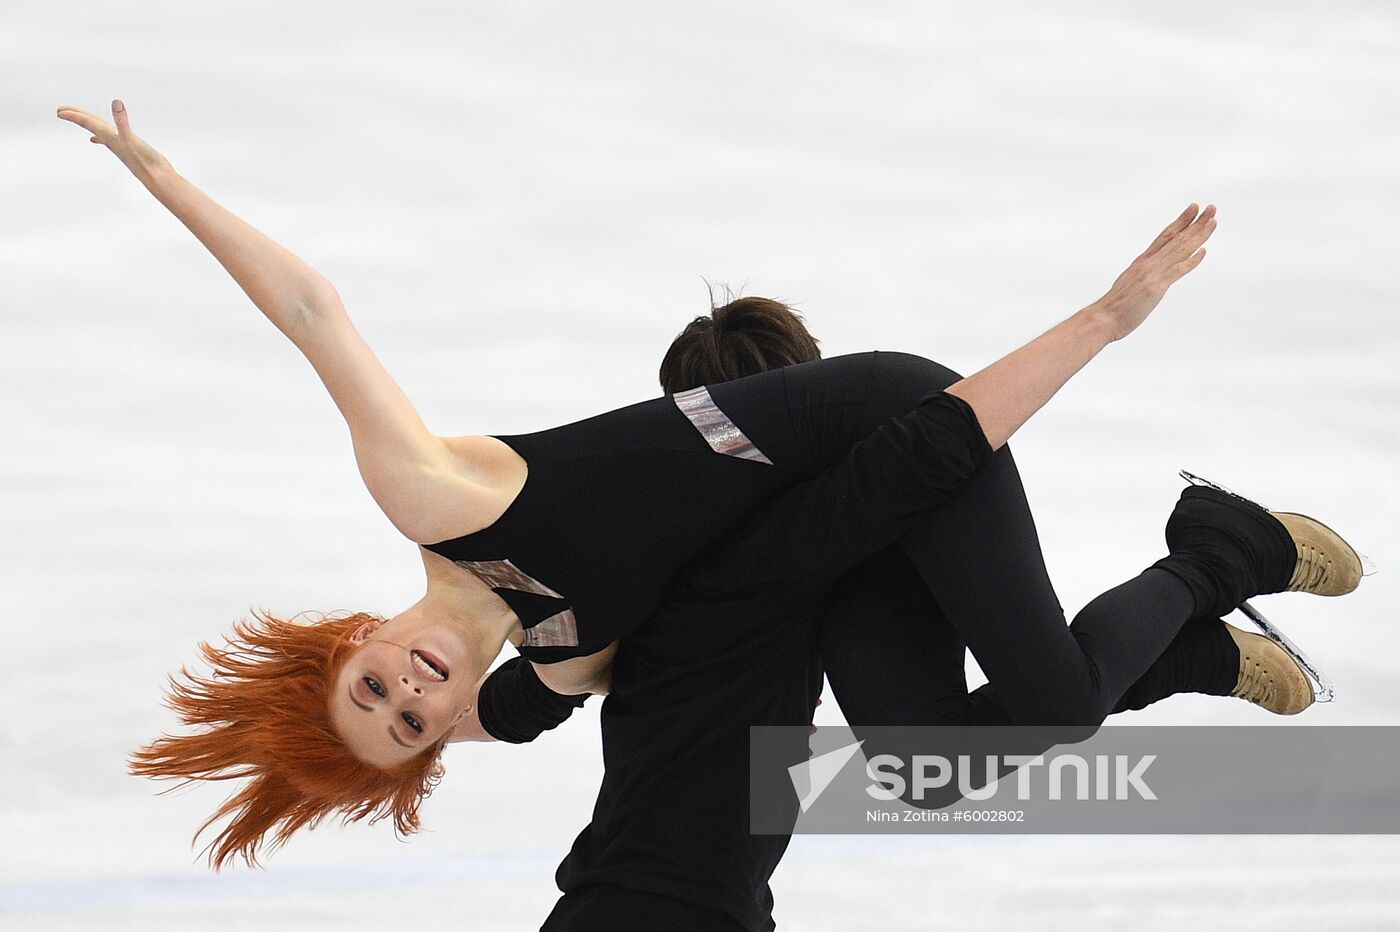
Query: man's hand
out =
(579, 675)
(143, 161)
(603, 684)
(1172, 254)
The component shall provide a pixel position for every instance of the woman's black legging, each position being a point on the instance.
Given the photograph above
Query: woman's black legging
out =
(985, 587)
(894, 658)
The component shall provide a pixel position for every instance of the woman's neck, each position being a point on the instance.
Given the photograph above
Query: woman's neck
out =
(458, 599)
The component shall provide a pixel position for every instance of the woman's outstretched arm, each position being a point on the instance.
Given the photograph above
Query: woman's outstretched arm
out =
(408, 470)
(1005, 394)
(280, 284)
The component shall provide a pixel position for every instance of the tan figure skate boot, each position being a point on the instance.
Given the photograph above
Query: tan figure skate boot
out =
(1327, 565)
(1269, 676)
(1227, 548)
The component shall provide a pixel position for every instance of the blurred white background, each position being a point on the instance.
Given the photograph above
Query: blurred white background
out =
(517, 203)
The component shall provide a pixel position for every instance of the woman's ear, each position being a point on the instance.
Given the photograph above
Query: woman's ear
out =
(365, 630)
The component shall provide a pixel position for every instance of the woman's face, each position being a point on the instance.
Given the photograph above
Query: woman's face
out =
(405, 685)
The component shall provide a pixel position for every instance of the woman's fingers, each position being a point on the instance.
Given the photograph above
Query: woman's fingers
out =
(135, 153)
(99, 127)
(95, 125)
(119, 115)
(73, 115)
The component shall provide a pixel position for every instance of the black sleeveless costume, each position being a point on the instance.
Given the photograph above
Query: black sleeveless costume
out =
(614, 505)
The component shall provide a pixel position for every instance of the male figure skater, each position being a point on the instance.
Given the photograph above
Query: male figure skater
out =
(739, 642)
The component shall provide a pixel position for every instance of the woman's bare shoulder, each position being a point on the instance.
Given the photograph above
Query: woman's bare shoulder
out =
(466, 491)
(480, 459)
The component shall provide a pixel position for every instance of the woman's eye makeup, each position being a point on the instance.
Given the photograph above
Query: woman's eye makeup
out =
(374, 686)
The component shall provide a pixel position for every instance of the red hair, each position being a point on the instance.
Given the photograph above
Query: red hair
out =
(267, 717)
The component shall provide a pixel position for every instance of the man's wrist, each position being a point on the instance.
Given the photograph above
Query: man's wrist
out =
(569, 689)
(1098, 321)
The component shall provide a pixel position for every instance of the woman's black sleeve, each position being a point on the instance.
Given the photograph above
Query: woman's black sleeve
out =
(516, 707)
(884, 486)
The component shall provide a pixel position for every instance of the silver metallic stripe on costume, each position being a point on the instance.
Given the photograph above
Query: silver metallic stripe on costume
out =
(722, 434)
(506, 575)
(559, 630)
(555, 631)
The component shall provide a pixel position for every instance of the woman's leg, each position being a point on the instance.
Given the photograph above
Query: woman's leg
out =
(1202, 658)
(979, 557)
(893, 657)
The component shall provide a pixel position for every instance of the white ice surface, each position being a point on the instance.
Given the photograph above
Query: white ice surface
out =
(517, 203)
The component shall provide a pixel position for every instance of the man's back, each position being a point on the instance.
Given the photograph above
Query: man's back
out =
(733, 645)
(672, 814)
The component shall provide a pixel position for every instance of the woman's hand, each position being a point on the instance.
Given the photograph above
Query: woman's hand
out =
(1139, 289)
(143, 161)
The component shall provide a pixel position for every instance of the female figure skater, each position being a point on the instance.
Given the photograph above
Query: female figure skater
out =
(563, 540)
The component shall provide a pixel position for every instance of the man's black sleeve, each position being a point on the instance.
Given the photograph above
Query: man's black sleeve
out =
(516, 707)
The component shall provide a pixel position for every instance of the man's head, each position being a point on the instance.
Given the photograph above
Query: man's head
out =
(744, 337)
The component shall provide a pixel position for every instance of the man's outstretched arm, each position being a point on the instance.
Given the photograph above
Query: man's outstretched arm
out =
(1010, 390)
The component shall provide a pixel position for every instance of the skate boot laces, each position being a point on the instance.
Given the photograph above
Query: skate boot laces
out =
(1255, 685)
(1311, 572)
(1269, 675)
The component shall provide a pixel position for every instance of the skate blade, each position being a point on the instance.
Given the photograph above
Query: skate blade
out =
(1368, 566)
(1197, 480)
(1323, 690)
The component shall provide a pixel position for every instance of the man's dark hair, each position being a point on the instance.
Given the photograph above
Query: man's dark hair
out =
(744, 337)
